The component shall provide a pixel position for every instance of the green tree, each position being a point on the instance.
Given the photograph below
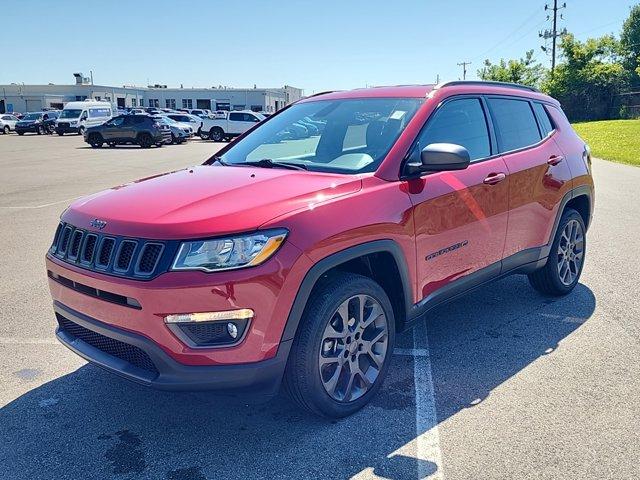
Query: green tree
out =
(590, 75)
(630, 45)
(523, 70)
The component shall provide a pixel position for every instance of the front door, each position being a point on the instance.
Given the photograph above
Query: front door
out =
(460, 216)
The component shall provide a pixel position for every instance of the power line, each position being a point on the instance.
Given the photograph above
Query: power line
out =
(516, 30)
(553, 34)
(464, 69)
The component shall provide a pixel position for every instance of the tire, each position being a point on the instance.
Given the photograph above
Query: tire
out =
(39, 130)
(20, 133)
(174, 140)
(112, 144)
(145, 140)
(81, 131)
(324, 389)
(6, 129)
(60, 133)
(96, 140)
(216, 134)
(562, 271)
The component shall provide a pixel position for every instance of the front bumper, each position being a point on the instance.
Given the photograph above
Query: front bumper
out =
(27, 128)
(66, 129)
(139, 359)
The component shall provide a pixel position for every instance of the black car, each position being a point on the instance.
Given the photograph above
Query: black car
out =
(37, 122)
(142, 130)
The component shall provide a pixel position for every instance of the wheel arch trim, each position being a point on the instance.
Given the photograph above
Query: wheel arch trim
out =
(333, 260)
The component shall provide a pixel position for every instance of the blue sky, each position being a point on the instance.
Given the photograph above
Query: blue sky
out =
(316, 45)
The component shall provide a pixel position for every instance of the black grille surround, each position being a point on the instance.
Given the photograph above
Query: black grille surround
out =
(124, 351)
(135, 258)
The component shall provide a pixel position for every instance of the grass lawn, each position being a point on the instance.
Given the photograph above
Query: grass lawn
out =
(616, 140)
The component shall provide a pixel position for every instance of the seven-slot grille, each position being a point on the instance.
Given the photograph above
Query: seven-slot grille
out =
(134, 258)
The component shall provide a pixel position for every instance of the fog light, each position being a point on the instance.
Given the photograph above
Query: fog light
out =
(232, 329)
(240, 314)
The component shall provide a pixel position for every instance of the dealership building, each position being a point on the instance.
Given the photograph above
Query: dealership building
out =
(32, 98)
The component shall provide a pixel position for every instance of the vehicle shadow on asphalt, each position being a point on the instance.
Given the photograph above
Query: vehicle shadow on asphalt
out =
(91, 424)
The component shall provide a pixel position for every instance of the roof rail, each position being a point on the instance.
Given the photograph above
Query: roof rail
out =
(487, 83)
(321, 93)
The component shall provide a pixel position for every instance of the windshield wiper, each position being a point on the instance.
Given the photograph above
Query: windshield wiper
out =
(268, 163)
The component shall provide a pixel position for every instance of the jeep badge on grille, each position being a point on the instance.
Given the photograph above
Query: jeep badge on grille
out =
(99, 224)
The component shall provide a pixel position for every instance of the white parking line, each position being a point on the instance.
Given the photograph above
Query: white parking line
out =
(428, 438)
(28, 341)
(425, 447)
(40, 206)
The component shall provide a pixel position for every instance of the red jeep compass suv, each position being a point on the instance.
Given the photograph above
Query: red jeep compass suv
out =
(296, 253)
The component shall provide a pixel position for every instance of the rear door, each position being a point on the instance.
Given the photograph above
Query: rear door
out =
(539, 175)
(460, 216)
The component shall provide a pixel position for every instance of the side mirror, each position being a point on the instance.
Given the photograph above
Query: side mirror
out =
(440, 157)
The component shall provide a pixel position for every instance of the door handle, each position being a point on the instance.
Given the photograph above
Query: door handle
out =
(494, 178)
(555, 159)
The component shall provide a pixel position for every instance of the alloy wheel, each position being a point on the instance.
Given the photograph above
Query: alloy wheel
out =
(353, 348)
(570, 252)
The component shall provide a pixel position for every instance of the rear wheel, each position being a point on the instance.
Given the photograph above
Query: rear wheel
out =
(145, 140)
(6, 129)
(216, 134)
(20, 133)
(342, 351)
(174, 140)
(39, 130)
(112, 144)
(562, 271)
(96, 140)
(61, 133)
(81, 131)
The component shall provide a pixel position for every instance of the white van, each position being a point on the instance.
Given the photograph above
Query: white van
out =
(77, 116)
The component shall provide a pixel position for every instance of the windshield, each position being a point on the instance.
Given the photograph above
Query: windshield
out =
(340, 136)
(71, 113)
(32, 116)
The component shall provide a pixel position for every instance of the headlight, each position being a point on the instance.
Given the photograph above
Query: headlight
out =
(229, 253)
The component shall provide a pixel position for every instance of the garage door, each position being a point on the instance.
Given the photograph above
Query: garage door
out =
(34, 105)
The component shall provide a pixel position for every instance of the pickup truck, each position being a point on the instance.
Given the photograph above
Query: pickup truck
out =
(230, 125)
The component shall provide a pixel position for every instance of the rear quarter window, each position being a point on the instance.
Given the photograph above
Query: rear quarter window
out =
(515, 123)
(543, 118)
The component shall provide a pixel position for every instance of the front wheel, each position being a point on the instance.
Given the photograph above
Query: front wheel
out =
(81, 131)
(96, 140)
(39, 130)
(343, 347)
(562, 271)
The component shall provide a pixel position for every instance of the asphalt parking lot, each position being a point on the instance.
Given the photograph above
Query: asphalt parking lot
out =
(502, 384)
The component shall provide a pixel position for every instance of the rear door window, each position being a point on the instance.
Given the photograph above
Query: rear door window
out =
(515, 123)
(236, 117)
(461, 122)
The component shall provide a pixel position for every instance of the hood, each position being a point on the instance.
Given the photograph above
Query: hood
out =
(206, 201)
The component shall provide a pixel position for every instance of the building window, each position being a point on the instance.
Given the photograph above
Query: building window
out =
(187, 103)
(80, 98)
(170, 103)
(154, 102)
(142, 102)
(134, 102)
(223, 106)
(256, 108)
(239, 107)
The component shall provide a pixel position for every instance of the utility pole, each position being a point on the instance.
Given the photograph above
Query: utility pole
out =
(464, 69)
(553, 34)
